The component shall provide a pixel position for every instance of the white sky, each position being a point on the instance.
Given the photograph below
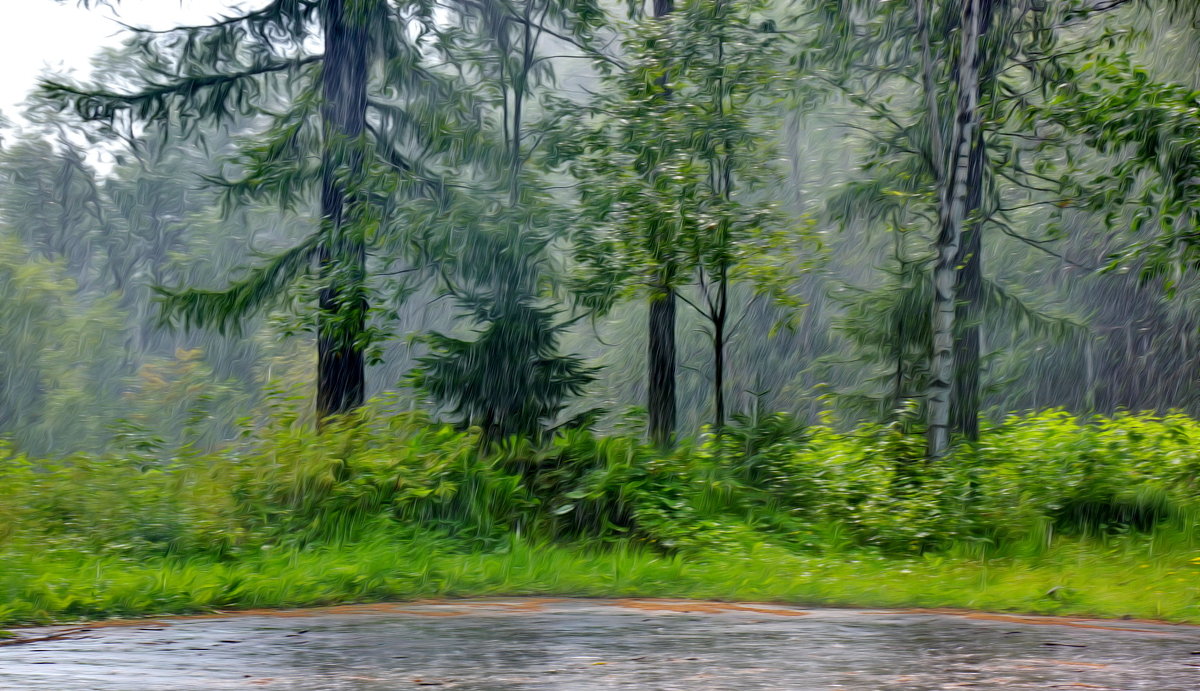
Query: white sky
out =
(62, 36)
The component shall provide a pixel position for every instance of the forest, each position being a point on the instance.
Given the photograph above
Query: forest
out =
(840, 301)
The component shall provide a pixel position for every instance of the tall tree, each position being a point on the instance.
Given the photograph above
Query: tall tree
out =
(257, 64)
(1022, 46)
(674, 174)
(952, 217)
(341, 366)
(660, 329)
(510, 378)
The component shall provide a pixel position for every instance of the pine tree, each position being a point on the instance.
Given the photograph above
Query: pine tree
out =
(257, 66)
(511, 378)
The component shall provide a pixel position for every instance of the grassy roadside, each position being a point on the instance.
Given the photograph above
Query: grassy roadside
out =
(1072, 578)
(1047, 514)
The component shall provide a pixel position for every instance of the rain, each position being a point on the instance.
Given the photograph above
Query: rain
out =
(349, 316)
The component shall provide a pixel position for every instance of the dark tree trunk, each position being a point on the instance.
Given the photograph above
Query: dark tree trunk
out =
(720, 321)
(966, 396)
(660, 361)
(341, 366)
(661, 365)
(965, 399)
(719, 369)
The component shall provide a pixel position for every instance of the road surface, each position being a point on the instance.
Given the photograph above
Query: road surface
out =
(574, 644)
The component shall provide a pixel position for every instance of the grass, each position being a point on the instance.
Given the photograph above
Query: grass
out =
(1071, 578)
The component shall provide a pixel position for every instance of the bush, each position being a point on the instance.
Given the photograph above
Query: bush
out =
(775, 483)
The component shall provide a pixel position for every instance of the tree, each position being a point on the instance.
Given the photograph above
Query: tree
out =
(60, 360)
(55, 196)
(510, 378)
(952, 216)
(877, 66)
(1120, 112)
(660, 348)
(257, 65)
(722, 91)
(672, 163)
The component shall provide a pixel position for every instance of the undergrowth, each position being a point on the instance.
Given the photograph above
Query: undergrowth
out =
(1047, 513)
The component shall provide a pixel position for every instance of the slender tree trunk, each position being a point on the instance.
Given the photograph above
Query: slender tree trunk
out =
(341, 366)
(952, 214)
(898, 388)
(661, 338)
(719, 321)
(723, 180)
(1089, 396)
(937, 147)
(661, 361)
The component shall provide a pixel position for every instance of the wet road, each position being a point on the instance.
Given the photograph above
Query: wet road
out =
(601, 644)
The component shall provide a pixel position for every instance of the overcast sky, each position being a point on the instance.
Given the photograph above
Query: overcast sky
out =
(40, 34)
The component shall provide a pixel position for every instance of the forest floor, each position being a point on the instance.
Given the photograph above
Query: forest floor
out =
(545, 643)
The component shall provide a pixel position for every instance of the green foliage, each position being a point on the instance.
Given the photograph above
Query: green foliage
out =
(256, 70)
(888, 327)
(59, 354)
(492, 252)
(186, 490)
(1151, 132)
(672, 161)
(509, 380)
(1034, 487)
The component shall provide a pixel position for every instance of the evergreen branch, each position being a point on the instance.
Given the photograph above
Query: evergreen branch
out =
(596, 331)
(689, 303)
(271, 11)
(1012, 306)
(435, 187)
(511, 16)
(264, 286)
(1060, 203)
(1025, 185)
(736, 326)
(567, 39)
(151, 102)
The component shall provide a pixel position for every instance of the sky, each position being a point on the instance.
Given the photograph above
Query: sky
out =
(61, 35)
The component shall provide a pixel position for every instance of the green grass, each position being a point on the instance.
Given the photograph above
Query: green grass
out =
(1072, 578)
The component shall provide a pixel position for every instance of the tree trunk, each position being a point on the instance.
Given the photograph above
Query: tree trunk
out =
(341, 367)
(661, 364)
(969, 287)
(661, 338)
(937, 151)
(965, 402)
(719, 322)
(952, 214)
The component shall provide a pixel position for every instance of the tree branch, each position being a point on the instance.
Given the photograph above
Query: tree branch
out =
(103, 105)
(266, 12)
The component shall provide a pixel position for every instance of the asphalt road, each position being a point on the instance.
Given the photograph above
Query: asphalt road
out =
(600, 644)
